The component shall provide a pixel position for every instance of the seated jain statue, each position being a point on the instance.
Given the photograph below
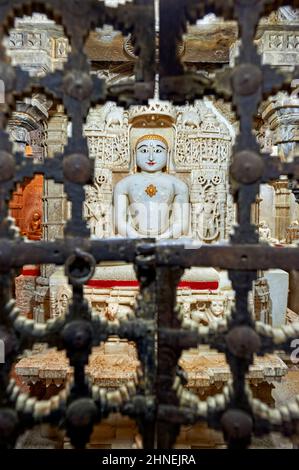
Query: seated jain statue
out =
(151, 203)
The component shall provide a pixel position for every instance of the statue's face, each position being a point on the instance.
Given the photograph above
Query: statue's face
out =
(151, 155)
(210, 197)
(217, 307)
(64, 300)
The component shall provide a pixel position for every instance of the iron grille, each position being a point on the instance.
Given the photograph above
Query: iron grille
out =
(158, 402)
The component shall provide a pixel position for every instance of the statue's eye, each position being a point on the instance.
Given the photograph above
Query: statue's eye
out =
(158, 150)
(144, 150)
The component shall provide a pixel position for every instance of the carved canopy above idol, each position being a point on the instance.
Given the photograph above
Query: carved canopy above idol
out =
(199, 141)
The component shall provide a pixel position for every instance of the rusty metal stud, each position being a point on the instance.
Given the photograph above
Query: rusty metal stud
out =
(8, 423)
(236, 425)
(77, 168)
(77, 335)
(81, 412)
(78, 85)
(7, 166)
(242, 341)
(247, 167)
(80, 267)
(246, 79)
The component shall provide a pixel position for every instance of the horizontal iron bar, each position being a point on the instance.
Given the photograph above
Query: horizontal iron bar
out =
(20, 253)
(233, 257)
(247, 257)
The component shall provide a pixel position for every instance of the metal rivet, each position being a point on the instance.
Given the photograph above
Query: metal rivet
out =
(247, 167)
(81, 413)
(78, 84)
(77, 335)
(246, 79)
(236, 424)
(77, 168)
(242, 341)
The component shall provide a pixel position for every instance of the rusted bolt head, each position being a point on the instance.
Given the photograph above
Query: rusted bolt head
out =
(77, 168)
(242, 341)
(236, 424)
(81, 413)
(246, 79)
(247, 167)
(77, 335)
(7, 166)
(78, 85)
(8, 422)
(80, 267)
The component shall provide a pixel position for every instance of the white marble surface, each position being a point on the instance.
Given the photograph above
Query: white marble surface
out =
(279, 288)
(125, 272)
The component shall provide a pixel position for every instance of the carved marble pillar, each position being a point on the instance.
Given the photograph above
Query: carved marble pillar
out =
(54, 210)
(255, 212)
(282, 208)
(281, 114)
(54, 200)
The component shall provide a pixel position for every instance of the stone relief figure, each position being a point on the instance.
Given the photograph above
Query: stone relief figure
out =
(151, 202)
(191, 118)
(62, 301)
(293, 232)
(115, 117)
(264, 231)
(207, 217)
(35, 230)
(207, 312)
(94, 213)
(106, 130)
(97, 206)
(262, 301)
(118, 311)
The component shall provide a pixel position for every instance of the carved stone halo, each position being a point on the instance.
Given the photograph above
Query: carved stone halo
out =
(151, 190)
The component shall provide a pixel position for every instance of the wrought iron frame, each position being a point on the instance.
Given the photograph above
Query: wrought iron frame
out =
(158, 400)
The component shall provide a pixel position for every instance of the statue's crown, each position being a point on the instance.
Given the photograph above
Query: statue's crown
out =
(152, 137)
(157, 114)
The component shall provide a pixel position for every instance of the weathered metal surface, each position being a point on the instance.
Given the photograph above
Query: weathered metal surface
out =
(158, 401)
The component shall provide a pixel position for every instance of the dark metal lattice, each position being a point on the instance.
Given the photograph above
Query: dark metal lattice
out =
(158, 402)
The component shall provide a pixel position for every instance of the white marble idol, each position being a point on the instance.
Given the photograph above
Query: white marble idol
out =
(151, 202)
